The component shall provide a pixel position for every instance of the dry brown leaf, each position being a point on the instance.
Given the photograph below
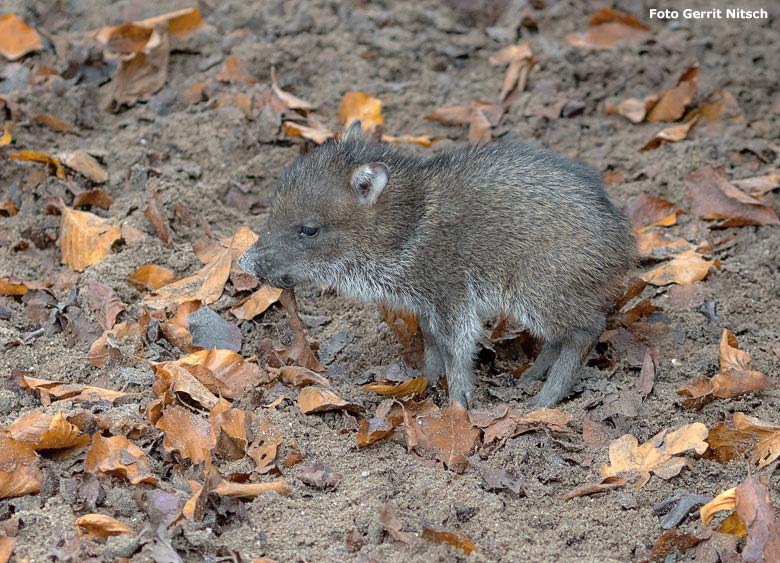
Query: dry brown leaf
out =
(672, 103)
(767, 449)
(8, 207)
(46, 432)
(670, 135)
(719, 106)
(684, 269)
(519, 58)
(265, 447)
(257, 303)
(176, 379)
(724, 501)
(188, 434)
(251, 490)
(660, 455)
(632, 109)
(180, 24)
(300, 352)
(389, 416)
(425, 141)
(94, 197)
(715, 198)
(290, 101)
(62, 390)
(319, 136)
(102, 526)
(760, 185)
(205, 285)
(14, 453)
(734, 379)
(17, 38)
(232, 429)
(224, 372)
(104, 302)
(406, 329)
(301, 377)
(446, 434)
(151, 276)
(11, 286)
(606, 484)
(647, 210)
(7, 545)
(99, 350)
(20, 481)
(660, 246)
(140, 74)
(501, 424)
(116, 456)
(177, 329)
(393, 525)
(84, 164)
(316, 399)
(233, 72)
(85, 238)
(754, 507)
(460, 541)
(478, 115)
(360, 106)
(34, 156)
(155, 213)
(55, 124)
(408, 388)
(609, 28)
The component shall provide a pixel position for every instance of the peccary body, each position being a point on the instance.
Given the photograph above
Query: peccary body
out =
(458, 237)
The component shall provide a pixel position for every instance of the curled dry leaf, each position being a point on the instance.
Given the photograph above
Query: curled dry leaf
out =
(290, 101)
(42, 431)
(180, 24)
(316, 399)
(99, 350)
(360, 106)
(719, 106)
(504, 424)
(224, 372)
(12, 286)
(408, 388)
(17, 38)
(684, 269)
(767, 448)
(609, 28)
(660, 246)
(177, 380)
(257, 303)
(102, 526)
(446, 434)
(140, 74)
(265, 446)
(460, 541)
(176, 330)
(425, 141)
(85, 238)
(671, 134)
(232, 429)
(62, 390)
(20, 481)
(34, 156)
(116, 456)
(672, 103)
(393, 525)
(520, 60)
(300, 352)
(389, 416)
(233, 72)
(478, 115)
(647, 210)
(606, 484)
(734, 379)
(660, 455)
(632, 109)
(406, 329)
(754, 507)
(251, 490)
(301, 377)
(104, 302)
(85, 164)
(155, 212)
(95, 197)
(760, 185)
(715, 198)
(205, 285)
(55, 124)
(319, 136)
(188, 434)
(151, 276)
(726, 500)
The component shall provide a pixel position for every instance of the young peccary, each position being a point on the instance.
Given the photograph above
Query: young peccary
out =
(503, 228)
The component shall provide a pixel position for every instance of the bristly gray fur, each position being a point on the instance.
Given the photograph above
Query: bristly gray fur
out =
(502, 228)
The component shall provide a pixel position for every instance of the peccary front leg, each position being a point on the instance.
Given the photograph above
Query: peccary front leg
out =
(434, 363)
(563, 373)
(456, 336)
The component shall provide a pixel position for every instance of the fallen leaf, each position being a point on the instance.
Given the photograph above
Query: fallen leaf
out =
(670, 135)
(14, 453)
(224, 372)
(232, 429)
(84, 164)
(17, 38)
(719, 106)
(140, 74)
(290, 101)
(7, 545)
(316, 399)
(460, 541)
(734, 379)
(659, 455)
(85, 238)
(760, 185)
(606, 484)
(188, 434)
(35, 156)
(660, 246)
(205, 285)
(176, 379)
(672, 103)
(319, 136)
(55, 124)
(104, 302)
(647, 210)
(233, 72)
(726, 500)
(11, 286)
(20, 481)
(178, 24)
(300, 352)
(265, 447)
(155, 212)
(609, 28)
(684, 269)
(177, 329)
(99, 350)
(393, 525)
(446, 434)
(670, 543)
(102, 526)
(43, 431)
(209, 330)
(319, 476)
(727, 443)
(389, 416)
(754, 507)
(251, 490)
(405, 328)
(116, 456)
(63, 390)
(407, 388)
(95, 197)
(767, 449)
(151, 276)
(511, 423)
(256, 303)
(301, 377)
(632, 109)
(478, 115)
(520, 60)
(715, 198)
(360, 106)
(425, 141)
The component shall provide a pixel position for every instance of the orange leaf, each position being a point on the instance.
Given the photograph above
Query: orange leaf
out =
(10, 286)
(140, 74)
(16, 38)
(408, 388)
(684, 269)
(422, 140)
(647, 210)
(317, 399)
(224, 372)
(102, 526)
(447, 434)
(14, 453)
(292, 129)
(177, 24)
(74, 391)
(7, 545)
(672, 103)
(460, 541)
(54, 123)
(609, 28)
(670, 135)
(360, 106)
(234, 72)
(265, 446)
(257, 303)
(85, 239)
(98, 351)
(292, 102)
(46, 432)
(117, 456)
(21, 481)
(767, 449)
(389, 416)
(301, 377)
(232, 429)
(85, 164)
(251, 490)
(205, 285)
(43, 158)
(151, 276)
(188, 434)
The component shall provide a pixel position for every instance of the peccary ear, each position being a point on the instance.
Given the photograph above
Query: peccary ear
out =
(353, 132)
(368, 181)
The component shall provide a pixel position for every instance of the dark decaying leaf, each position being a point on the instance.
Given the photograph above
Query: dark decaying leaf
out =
(104, 302)
(210, 331)
(319, 476)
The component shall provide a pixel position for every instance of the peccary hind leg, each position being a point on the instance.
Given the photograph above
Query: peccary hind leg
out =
(547, 356)
(564, 370)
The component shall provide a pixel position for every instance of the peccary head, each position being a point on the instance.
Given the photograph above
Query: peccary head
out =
(329, 213)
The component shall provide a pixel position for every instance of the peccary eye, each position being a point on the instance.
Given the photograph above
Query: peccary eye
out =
(309, 230)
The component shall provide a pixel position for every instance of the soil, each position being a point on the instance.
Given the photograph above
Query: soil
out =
(216, 170)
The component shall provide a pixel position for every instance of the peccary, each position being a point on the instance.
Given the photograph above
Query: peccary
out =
(457, 237)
